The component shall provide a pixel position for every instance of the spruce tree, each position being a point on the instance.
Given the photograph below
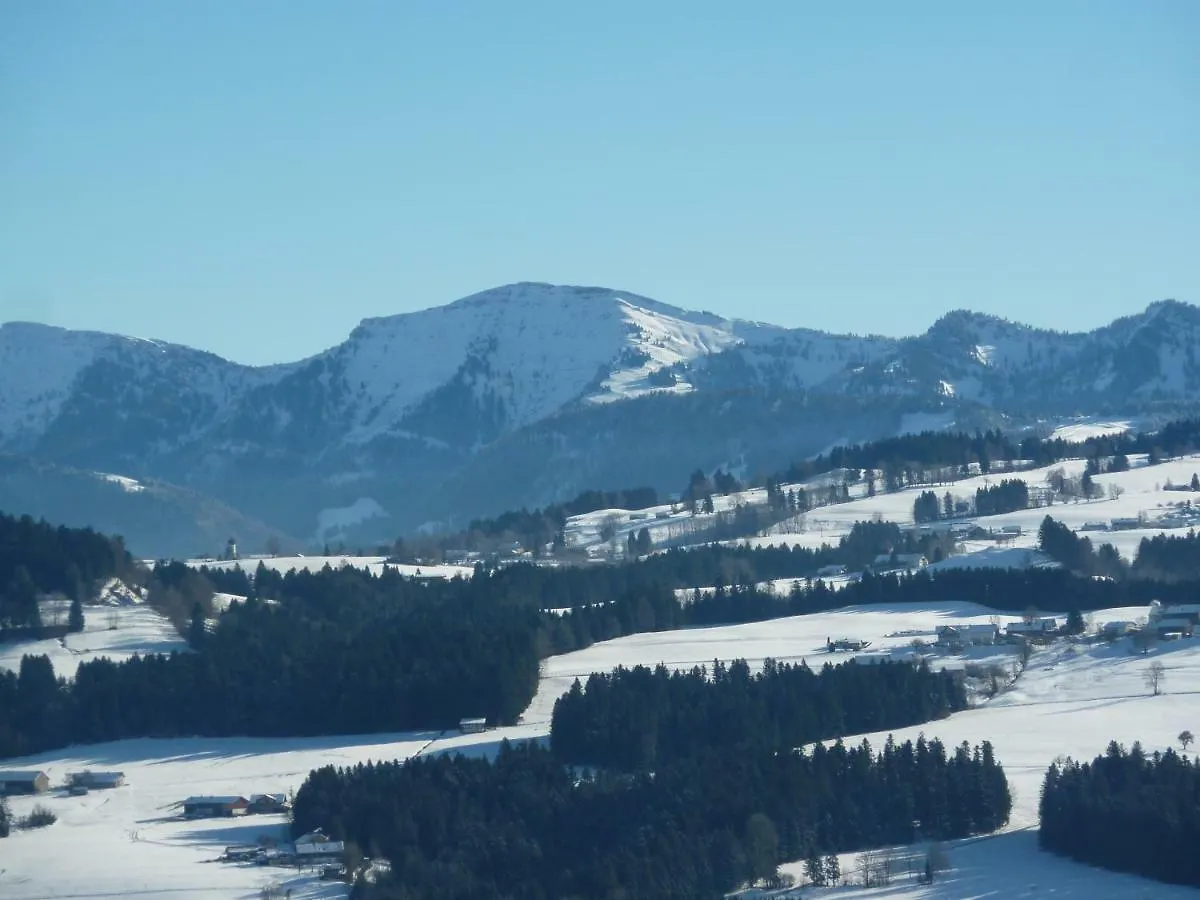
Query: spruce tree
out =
(833, 870)
(75, 617)
(197, 630)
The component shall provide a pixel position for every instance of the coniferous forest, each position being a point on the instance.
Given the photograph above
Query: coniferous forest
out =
(1126, 811)
(643, 719)
(527, 826)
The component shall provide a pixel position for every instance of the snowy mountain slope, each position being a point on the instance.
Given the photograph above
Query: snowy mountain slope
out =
(529, 393)
(1141, 358)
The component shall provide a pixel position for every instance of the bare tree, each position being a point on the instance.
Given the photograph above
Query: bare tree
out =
(866, 865)
(1154, 677)
(1185, 738)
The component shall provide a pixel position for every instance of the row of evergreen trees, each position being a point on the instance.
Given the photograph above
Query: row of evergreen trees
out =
(334, 652)
(1126, 811)
(526, 826)
(637, 718)
(1168, 557)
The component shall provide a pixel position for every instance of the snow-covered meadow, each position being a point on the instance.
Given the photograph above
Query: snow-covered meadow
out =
(117, 625)
(130, 841)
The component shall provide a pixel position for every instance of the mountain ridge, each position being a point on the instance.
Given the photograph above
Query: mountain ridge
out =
(415, 418)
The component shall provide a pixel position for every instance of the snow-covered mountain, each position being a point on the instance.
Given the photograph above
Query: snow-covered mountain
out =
(531, 392)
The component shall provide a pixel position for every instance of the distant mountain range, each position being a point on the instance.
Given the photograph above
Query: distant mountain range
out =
(521, 395)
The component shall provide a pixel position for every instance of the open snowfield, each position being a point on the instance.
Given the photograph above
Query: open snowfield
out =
(139, 629)
(373, 564)
(1089, 427)
(129, 842)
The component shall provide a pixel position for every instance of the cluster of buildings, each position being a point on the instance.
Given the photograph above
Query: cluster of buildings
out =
(959, 637)
(1176, 620)
(312, 849)
(35, 781)
(215, 807)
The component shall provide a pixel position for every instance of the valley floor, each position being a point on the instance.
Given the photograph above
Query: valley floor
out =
(131, 841)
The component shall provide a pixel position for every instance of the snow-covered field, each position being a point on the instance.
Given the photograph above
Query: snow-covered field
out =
(117, 626)
(128, 842)
(1141, 494)
(1088, 427)
(373, 564)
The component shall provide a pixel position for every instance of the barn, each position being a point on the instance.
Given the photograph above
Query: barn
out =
(214, 807)
(31, 782)
(95, 780)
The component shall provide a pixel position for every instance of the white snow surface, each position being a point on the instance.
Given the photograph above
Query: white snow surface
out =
(38, 366)
(139, 630)
(131, 485)
(130, 841)
(1087, 427)
(535, 347)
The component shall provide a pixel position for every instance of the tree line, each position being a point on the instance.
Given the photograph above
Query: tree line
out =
(317, 653)
(1126, 811)
(39, 558)
(526, 826)
(643, 719)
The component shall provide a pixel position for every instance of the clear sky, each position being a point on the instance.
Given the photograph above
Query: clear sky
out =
(254, 178)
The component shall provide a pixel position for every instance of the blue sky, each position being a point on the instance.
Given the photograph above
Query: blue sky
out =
(255, 178)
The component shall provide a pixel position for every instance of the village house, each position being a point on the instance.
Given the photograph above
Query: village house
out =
(960, 636)
(89, 780)
(30, 782)
(831, 571)
(1117, 629)
(1168, 627)
(1034, 629)
(472, 726)
(268, 803)
(214, 807)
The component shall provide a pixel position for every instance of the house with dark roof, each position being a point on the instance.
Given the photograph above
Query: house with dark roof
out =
(95, 780)
(24, 782)
(214, 807)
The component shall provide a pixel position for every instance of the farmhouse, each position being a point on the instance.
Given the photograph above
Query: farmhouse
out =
(1173, 627)
(24, 782)
(214, 807)
(831, 571)
(1117, 629)
(472, 726)
(89, 780)
(268, 803)
(1177, 610)
(1035, 628)
(967, 635)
